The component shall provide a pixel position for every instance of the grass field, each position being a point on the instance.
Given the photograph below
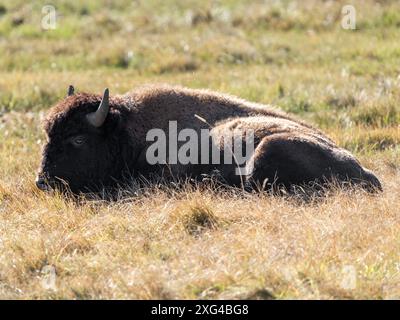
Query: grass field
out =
(198, 243)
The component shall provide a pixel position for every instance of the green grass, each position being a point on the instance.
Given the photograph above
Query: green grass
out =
(292, 54)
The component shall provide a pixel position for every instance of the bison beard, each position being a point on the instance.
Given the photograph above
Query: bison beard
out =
(97, 142)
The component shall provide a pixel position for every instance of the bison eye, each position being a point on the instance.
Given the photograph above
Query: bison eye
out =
(78, 141)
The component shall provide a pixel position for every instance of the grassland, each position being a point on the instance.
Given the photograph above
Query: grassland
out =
(197, 243)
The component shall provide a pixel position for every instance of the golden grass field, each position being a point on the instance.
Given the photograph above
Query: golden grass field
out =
(202, 243)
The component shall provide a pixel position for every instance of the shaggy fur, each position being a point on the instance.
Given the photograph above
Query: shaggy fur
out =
(288, 152)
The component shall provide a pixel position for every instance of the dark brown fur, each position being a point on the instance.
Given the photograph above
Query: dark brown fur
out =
(288, 152)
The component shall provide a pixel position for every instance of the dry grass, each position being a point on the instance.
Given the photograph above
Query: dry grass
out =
(201, 244)
(198, 243)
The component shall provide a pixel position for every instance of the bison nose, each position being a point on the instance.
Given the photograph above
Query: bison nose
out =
(41, 184)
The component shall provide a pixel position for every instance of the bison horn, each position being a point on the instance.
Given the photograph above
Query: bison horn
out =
(70, 90)
(98, 117)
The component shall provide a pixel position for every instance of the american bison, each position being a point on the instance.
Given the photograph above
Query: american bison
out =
(97, 142)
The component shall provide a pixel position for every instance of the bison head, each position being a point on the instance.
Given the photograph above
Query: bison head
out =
(86, 147)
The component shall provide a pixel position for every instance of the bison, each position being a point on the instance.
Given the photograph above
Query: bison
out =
(96, 142)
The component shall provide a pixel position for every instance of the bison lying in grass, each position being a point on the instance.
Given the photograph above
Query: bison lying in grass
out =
(99, 142)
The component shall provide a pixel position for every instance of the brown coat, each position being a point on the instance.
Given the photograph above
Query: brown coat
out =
(287, 151)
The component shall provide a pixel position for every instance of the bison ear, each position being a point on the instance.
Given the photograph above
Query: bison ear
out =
(71, 90)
